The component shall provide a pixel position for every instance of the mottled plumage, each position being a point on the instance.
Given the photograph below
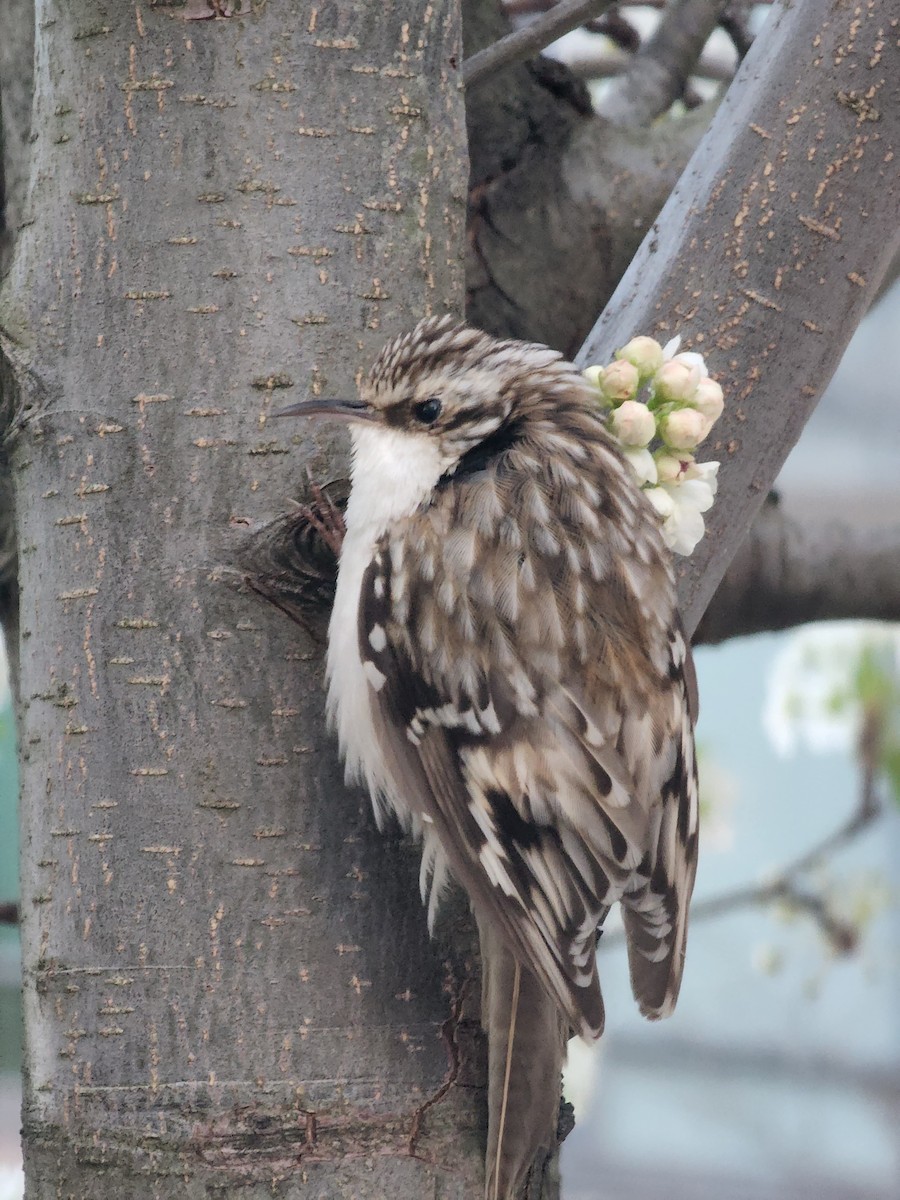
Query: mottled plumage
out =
(508, 674)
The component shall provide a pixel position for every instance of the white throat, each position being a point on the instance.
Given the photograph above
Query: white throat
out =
(393, 472)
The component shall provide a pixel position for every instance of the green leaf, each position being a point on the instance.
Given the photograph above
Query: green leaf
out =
(890, 763)
(875, 678)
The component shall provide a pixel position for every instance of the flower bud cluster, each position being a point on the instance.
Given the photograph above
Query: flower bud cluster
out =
(660, 406)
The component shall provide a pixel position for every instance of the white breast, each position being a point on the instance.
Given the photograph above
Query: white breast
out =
(393, 472)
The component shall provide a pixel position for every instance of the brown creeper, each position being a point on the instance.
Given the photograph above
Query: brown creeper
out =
(507, 673)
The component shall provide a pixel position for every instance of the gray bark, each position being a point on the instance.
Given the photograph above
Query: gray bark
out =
(772, 247)
(16, 57)
(228, 983)
(797, 566)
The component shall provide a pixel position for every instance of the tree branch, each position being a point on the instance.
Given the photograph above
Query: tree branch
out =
(735, 20)
(658, 73)
(799, 567)
(550, 236)
(772, 246)
(604, 63)
(532, 39)
(559, 200)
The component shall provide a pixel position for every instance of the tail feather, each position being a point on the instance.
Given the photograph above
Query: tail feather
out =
(526, 1039)
(656, 947)
(656, 922)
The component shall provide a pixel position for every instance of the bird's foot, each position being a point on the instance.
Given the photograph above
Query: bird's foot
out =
(325, 517)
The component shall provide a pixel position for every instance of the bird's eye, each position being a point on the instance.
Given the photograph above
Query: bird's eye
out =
(427, 411)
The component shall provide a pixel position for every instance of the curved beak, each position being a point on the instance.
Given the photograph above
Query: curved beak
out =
(337, 410)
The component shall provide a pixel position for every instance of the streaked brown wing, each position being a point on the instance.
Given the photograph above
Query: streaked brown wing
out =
(533, 708)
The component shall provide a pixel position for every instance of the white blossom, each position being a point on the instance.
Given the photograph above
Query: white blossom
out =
(684, 526)
(683, 429)
(619, 381)
(661, 499)
(678, 404)
(709, 400)
(675, 381)
(812, 698)
(672, 467)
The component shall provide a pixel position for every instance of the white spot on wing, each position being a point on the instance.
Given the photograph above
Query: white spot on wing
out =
(377, 638)
(375, 677)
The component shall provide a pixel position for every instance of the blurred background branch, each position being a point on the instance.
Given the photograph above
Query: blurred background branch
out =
(658, 73)
(531, 39)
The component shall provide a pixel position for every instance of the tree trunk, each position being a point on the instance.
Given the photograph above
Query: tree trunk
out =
(228, 983)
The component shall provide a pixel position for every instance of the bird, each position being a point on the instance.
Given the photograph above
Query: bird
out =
(508, 676)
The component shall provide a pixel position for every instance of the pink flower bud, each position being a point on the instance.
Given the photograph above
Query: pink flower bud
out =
(633, 423)
(683, 429)
(672, 468)
(645, 353)
(675, 381)
(619, 381)
(708, 400)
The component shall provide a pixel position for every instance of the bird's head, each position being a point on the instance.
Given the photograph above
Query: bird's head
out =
(439, 402)
(438, 392)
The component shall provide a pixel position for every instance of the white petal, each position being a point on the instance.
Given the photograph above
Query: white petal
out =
(662, 501)
(643, 464)
(693, 493)
(708, 472)
(684, 530)
(670, 349)
(691, 358)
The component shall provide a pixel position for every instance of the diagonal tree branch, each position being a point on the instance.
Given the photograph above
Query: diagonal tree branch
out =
(772, 247)
(532, 39)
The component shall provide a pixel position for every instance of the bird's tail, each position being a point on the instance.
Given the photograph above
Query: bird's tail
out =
(526, 1049)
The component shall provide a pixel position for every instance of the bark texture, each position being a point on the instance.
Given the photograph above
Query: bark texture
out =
(16, 57)
(773, 245)
(798, 566)
(228, 983)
